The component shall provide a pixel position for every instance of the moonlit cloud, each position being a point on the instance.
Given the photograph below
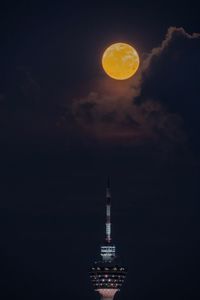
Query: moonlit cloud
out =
(172, 34)
(122, 112)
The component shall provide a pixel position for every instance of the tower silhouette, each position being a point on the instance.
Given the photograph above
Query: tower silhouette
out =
(108, 274)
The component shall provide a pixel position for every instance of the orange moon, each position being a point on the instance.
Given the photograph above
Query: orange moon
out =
(120, 61)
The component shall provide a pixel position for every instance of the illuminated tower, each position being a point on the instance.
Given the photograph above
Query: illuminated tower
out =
(108, 274)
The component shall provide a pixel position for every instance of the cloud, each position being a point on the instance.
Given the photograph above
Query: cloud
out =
(173, 34)
(146, 107)
(171, 77)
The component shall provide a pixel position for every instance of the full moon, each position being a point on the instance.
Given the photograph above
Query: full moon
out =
(120, 61)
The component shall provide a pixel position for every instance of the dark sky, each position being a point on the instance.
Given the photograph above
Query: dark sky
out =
(65, 126)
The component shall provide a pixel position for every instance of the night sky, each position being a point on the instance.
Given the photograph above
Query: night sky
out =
(65, 126)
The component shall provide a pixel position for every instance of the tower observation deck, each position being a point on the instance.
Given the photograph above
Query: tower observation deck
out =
(108, 274)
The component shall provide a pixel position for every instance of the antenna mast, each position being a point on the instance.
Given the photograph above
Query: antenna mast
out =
(108, 251)
(108, 212)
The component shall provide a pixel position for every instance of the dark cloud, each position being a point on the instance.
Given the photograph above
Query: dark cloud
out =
(170, 76)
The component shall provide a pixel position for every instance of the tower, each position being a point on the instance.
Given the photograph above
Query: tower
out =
(108, 274)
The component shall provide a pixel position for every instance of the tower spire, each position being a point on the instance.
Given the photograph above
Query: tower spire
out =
(108, 212)
(108, 250)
